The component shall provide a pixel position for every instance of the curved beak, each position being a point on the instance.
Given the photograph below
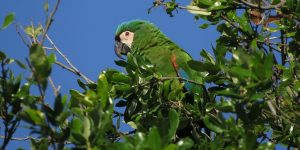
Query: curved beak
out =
(121, 49)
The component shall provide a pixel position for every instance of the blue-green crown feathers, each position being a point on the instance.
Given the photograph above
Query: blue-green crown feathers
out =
(132, 26)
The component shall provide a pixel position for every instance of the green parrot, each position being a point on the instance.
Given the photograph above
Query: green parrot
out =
(144, 38)
(169, 59)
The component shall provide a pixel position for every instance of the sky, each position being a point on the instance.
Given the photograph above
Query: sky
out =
(84, 32)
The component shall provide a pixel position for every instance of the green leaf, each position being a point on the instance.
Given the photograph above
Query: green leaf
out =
(81, 84)
(29, 30)
(20, 64)
(253, 44)
(207, 56)
(121, 63)
(119, 77)
(41, 144)
(204, 26)
(50, 114)
(23, 92)
(174, 122)
(62, 118)
(9, 60)
(124, 87)
(256, 96)
(228, 92)
(226, 106)
(242, 73)
(171, 147)
(206, 2)
(38, 30)
(132, 124)
(153, 140)
(297, 36)
(268, 65)
(103, 91)
(213, 123)
(77, 138)
(58, 105)
(8, 20)
(76, 125)
(266, 146)
(81, 98)
(32, 116)
(86, 127)
(203, 66)
(33, 32)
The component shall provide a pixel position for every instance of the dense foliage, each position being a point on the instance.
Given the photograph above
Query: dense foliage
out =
(250, 97)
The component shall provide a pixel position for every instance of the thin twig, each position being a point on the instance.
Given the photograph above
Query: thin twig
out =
(49, 21)
(18, 139)
(66, 67)
(55, 90)
(73, 68)
(48, 48)
(28, 138)
(21, 36)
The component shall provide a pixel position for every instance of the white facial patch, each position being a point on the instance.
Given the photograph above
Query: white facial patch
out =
(127, 38)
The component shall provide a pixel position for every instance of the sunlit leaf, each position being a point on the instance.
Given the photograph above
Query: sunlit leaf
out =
(197, 11)
(32, 116)
(174, 122)
(81, 98)
(103, 91)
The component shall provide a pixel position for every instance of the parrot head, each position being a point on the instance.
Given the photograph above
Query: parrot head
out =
(123, 43)
(129, 33)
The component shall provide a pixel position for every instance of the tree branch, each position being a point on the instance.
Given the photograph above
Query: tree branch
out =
(19, 139)
(55, 90)
(72, 68)
(21, 36)
(65, 67)
(49, 21)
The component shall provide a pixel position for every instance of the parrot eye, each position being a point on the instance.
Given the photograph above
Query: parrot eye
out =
(126, 33)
